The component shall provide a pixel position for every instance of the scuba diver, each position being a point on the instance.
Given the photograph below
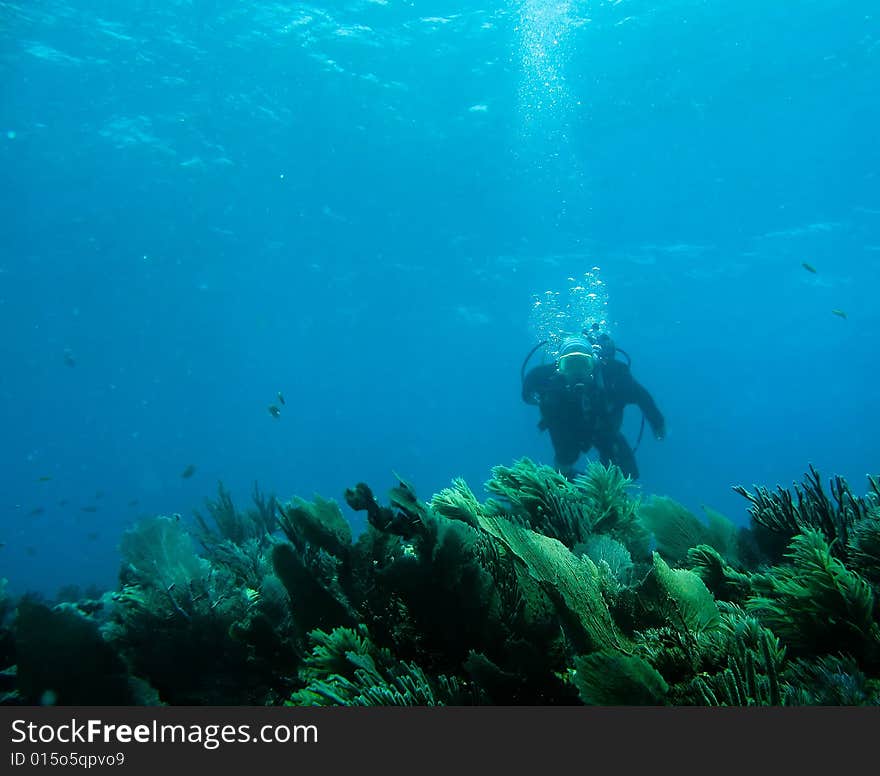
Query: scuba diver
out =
(582, 397)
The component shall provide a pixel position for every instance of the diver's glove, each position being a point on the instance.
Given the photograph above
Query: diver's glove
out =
(659, 431)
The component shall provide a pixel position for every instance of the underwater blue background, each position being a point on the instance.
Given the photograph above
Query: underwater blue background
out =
(206, 202)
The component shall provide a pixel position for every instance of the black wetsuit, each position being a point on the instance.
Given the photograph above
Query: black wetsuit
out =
(580, 416)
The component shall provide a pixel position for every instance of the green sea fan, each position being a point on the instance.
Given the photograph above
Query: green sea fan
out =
(689, 604)
(676, 529)
(572, 584)
(611, 556)
(722, 534)
(159, 552)
(614, 679)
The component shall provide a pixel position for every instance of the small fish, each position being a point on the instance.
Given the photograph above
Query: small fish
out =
(31, 551)
(44, 478)
(808, 267)
(36, 511)
(68, 357)
(88, 509)
(92, 535)
(839, 313)
(134, 502)
(188, 472)
(274, 411)
(63, 502)
(281, 397)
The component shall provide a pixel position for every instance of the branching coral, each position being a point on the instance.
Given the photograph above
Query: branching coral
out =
(248, 562)
(434, 577)
(608, 504)
(62, 658)
(548, 592)
(406, 524)
(750, 678)
(182, 623)
(864, 547)
(311, 577)
(8, 669)
(809, 508)
(831, 680)
(816, 604)
(230, 524)
(680, 623)
(720, 577)
(345, 668)
(541, 498)
(458, 503)
(473, 584)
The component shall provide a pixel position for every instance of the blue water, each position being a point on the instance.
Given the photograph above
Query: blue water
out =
(206, 202)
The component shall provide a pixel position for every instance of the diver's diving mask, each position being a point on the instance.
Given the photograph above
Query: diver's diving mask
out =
(577, 361)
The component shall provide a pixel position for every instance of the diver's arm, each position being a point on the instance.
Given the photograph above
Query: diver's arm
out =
(648, 406)
(536, 382)
(635, 393)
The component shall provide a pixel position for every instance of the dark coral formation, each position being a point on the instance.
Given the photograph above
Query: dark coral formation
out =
(548, 592)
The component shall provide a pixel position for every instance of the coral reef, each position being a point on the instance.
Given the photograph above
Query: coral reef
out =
(548, 592)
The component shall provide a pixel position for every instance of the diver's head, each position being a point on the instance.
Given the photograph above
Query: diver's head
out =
(577, 359)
